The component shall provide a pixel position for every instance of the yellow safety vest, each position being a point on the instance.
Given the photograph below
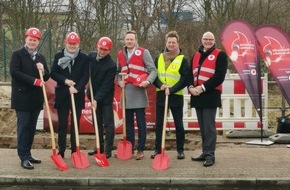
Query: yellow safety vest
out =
(170, 75)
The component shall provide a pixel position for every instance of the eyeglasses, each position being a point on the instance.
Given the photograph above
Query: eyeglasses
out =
(207, 39)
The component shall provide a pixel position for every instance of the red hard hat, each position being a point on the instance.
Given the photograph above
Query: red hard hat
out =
(140, 79)
(33, 32)
(72, 38)
(105, 43)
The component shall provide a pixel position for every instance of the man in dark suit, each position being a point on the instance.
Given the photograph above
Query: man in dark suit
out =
(70, 70)
(27, 96)
(102, 72)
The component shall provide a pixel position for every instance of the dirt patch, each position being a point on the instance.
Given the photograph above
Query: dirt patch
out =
(8, 121)
(7, 116)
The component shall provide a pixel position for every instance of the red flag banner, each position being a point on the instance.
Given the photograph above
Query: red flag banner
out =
(239, 41)
(274, 47)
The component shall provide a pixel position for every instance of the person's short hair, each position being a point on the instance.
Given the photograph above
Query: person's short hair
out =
(132, 32)
(172, 34)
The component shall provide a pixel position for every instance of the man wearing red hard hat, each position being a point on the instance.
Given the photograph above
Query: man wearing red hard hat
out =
(27, 97)
(102, 72)
(70, 70)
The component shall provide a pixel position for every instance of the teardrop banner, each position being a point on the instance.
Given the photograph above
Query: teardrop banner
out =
(239, 41)
(274, 47)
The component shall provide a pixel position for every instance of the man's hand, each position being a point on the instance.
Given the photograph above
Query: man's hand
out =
(196, 91)
(94, 104)
(164, 86)
(122, 84)
(167, 92)
(40, 67)
(73, 90)
(69, 82)
(144, 84)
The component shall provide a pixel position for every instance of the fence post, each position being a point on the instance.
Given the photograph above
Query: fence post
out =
(4, 56)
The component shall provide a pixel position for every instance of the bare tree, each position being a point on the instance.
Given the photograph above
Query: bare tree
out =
(151, 19)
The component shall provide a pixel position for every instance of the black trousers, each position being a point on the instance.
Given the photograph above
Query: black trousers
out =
(177, 113)
(63, 112)
(106, 125)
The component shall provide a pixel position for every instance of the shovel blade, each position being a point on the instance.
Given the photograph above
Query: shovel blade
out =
(124, 150)
(101, 160)
(80, 160)
(161, 162)
(59, 162)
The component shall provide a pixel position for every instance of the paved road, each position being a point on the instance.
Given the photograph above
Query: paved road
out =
(238, 166)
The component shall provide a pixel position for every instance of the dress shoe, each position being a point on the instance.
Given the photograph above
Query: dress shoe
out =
(139, 155)
(180, 155)
(154, 154)
(92, 152)
(200, 158)
(208, 162)
(108, 155)
(34, 160)
(61, 154)
(27, 165)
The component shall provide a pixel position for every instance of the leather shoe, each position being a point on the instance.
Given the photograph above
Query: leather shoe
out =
(92, 152)
(200, 158)
(139, 155)
(34, 160)
(108, 155)
(180, 155)
(154, 154)
(27, 165)
(208, 162)
(61, 154)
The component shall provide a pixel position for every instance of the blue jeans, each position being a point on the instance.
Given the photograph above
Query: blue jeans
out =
(26, 127)
(141, 123)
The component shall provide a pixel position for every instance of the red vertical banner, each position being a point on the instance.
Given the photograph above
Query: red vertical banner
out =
(239, 41)
(274, 47)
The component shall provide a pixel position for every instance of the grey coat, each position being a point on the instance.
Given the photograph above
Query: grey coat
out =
(136, 97)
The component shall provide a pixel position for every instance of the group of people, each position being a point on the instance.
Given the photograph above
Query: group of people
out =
(72, 69)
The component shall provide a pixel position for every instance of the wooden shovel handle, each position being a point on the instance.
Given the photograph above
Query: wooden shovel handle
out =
(123, 104)
(164, 122)
(75, 119)
(48, 111)
(94, 114)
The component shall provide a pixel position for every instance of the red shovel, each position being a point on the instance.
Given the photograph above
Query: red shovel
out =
(57, 159)
(161, 161)
(124, 148)
(80, 159)
(101, 159)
